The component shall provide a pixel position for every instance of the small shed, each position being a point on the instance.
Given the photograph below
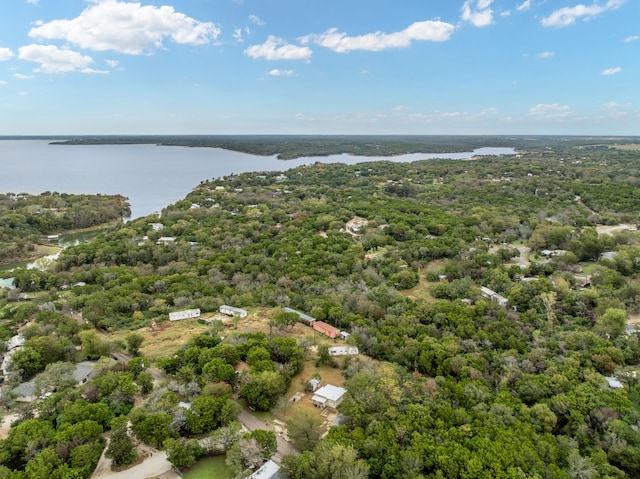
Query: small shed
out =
(313, 385)
(326, 329)
(614, 382)
(328, 396)
(232, 311)
(344, 335)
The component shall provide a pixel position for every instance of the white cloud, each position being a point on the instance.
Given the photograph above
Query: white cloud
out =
(277, 49)
(545, 54)
(568, 15)
(612, 105)
(53, 59)
(479, 15)
(93, 71)
(632, 38)
(237, 35)
(22, 93)
(256, 20)
(2, 82)
(112, 63)
(400, 108)
(280, 73)
(552, 111)
(435, 31)
(22, 76)
(127, 27)
(303, 117)
(33, 2)
(5, 54)
(611, 71)
(524, 6)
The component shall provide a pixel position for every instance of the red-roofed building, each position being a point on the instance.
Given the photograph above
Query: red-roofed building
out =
(326, 329)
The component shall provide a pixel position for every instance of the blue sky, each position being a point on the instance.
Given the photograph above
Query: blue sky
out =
(320, 67)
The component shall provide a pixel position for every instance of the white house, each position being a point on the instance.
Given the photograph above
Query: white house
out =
(328, 396)
(25, 392)
(344, 335)
(186, 314)
(16, 341)
(231, 311)
(165, 240)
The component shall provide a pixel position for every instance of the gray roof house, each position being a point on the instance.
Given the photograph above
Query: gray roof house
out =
(25, 392)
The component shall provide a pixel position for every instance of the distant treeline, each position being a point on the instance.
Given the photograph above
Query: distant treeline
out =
(289, 147)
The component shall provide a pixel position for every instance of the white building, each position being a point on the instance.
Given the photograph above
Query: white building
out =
(186, 314)
(328, 396)
(231, 311)
(614, 382)
(343, 351)
(493, 296)
(269, 470)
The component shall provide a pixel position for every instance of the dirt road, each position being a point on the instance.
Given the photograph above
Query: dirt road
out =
(251, 422)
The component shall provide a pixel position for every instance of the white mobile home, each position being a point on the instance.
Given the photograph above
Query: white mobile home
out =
(186, 314)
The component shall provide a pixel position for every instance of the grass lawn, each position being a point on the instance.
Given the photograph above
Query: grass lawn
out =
(212, 467)
(167, 338)
(420, 291)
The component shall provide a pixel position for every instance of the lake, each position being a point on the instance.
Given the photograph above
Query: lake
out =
(151, 176)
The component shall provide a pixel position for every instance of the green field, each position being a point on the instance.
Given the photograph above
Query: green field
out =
(210, 468)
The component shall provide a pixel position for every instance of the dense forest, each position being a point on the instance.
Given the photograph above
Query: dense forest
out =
(289, 147)
(452, 385)
(26, 220)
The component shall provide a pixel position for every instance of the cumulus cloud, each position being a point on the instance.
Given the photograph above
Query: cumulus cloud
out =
(277, 49)
(568, 15)
(5, 54)
(2, 82)
(611, 71)
(280, 73)
(632, 38)
(552, 111)
(55, 60)
(112, 63)
(22, 76)
(256, 20)
(430, 30)
(477, 12)
(127, 28)
(545, 54)
(237, 35)
(524, 6)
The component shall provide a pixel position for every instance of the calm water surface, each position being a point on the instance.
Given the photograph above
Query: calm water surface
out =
(152, 177)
